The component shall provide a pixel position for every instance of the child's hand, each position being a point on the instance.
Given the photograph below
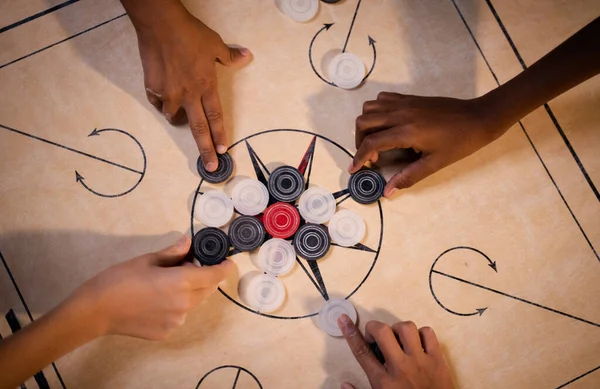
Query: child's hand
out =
(443, 130)
(417, 364)
(149, 296)
(178, 56)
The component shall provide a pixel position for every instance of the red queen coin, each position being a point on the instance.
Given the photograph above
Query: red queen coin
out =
(281, 220)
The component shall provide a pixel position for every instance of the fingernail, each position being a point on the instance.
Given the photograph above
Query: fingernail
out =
(391, 192)
(350, 167)
(221, 149)
(244, 51)
(211, 166)
(182, 241)
(168, 116)
(346, 385)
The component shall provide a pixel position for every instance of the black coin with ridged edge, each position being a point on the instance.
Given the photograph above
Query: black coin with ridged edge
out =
(223, 172)
(286, 184)
(210, 246)
(246, 233)
(312, 241)
(366, 186)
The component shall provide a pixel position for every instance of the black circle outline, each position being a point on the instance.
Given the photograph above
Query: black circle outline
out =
(378, 205)
(229, 367)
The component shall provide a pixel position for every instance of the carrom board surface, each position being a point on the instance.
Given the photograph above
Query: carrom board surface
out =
(499, 253)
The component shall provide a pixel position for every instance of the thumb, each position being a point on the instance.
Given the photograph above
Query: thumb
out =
(410, 175)
(233, 55)
(172, 255)
(346, 385)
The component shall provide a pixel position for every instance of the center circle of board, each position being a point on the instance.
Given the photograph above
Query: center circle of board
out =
(281, 220)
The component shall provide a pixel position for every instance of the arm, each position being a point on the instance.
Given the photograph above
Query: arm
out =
(178, 54)
(146, 297)
(445, 130)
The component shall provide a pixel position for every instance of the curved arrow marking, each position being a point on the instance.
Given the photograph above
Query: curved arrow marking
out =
(327, 26)
(478, 311)
(80, 179)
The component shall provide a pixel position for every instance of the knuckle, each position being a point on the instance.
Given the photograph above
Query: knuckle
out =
(408, 326)
(199, 128)
(362, 351)
(214, 115)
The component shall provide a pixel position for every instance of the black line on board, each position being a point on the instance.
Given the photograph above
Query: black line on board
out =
(517, 298)
(478, 311)
(326, 26)
(578, 377)
(351, 26)
(314, 267)
(37, 15)
(546, 106)
(15, 326)
(310, 278)
(239, 368)
(528, 138)
(16, 287)
(358, 246)
(237, 377)
(276, 130)
(307, 162)
(258, 165)
(62, 41)
(342, 200)
(71, 149)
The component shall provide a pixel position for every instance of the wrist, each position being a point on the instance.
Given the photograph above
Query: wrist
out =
(495, 113)
(84, 311)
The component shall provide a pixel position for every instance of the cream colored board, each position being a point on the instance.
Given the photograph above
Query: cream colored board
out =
(55, 234)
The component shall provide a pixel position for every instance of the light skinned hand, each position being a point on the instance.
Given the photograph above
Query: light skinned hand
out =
(413, 357)
(178, 57)
(149, 296)
(443, 130)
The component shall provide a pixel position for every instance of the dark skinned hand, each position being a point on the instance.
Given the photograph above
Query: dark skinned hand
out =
(413, 357)
(443, 130)
(178, 57)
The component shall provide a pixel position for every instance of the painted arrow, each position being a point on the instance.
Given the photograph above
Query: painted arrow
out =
(326, 27)
(490, 263)
(80, 179)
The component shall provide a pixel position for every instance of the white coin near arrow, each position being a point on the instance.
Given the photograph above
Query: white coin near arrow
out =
(299, 10)
(347, 70)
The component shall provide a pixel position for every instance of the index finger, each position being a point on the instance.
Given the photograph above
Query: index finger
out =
(201, 133)
(207, 276)
(380, 141)
(360, 349)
